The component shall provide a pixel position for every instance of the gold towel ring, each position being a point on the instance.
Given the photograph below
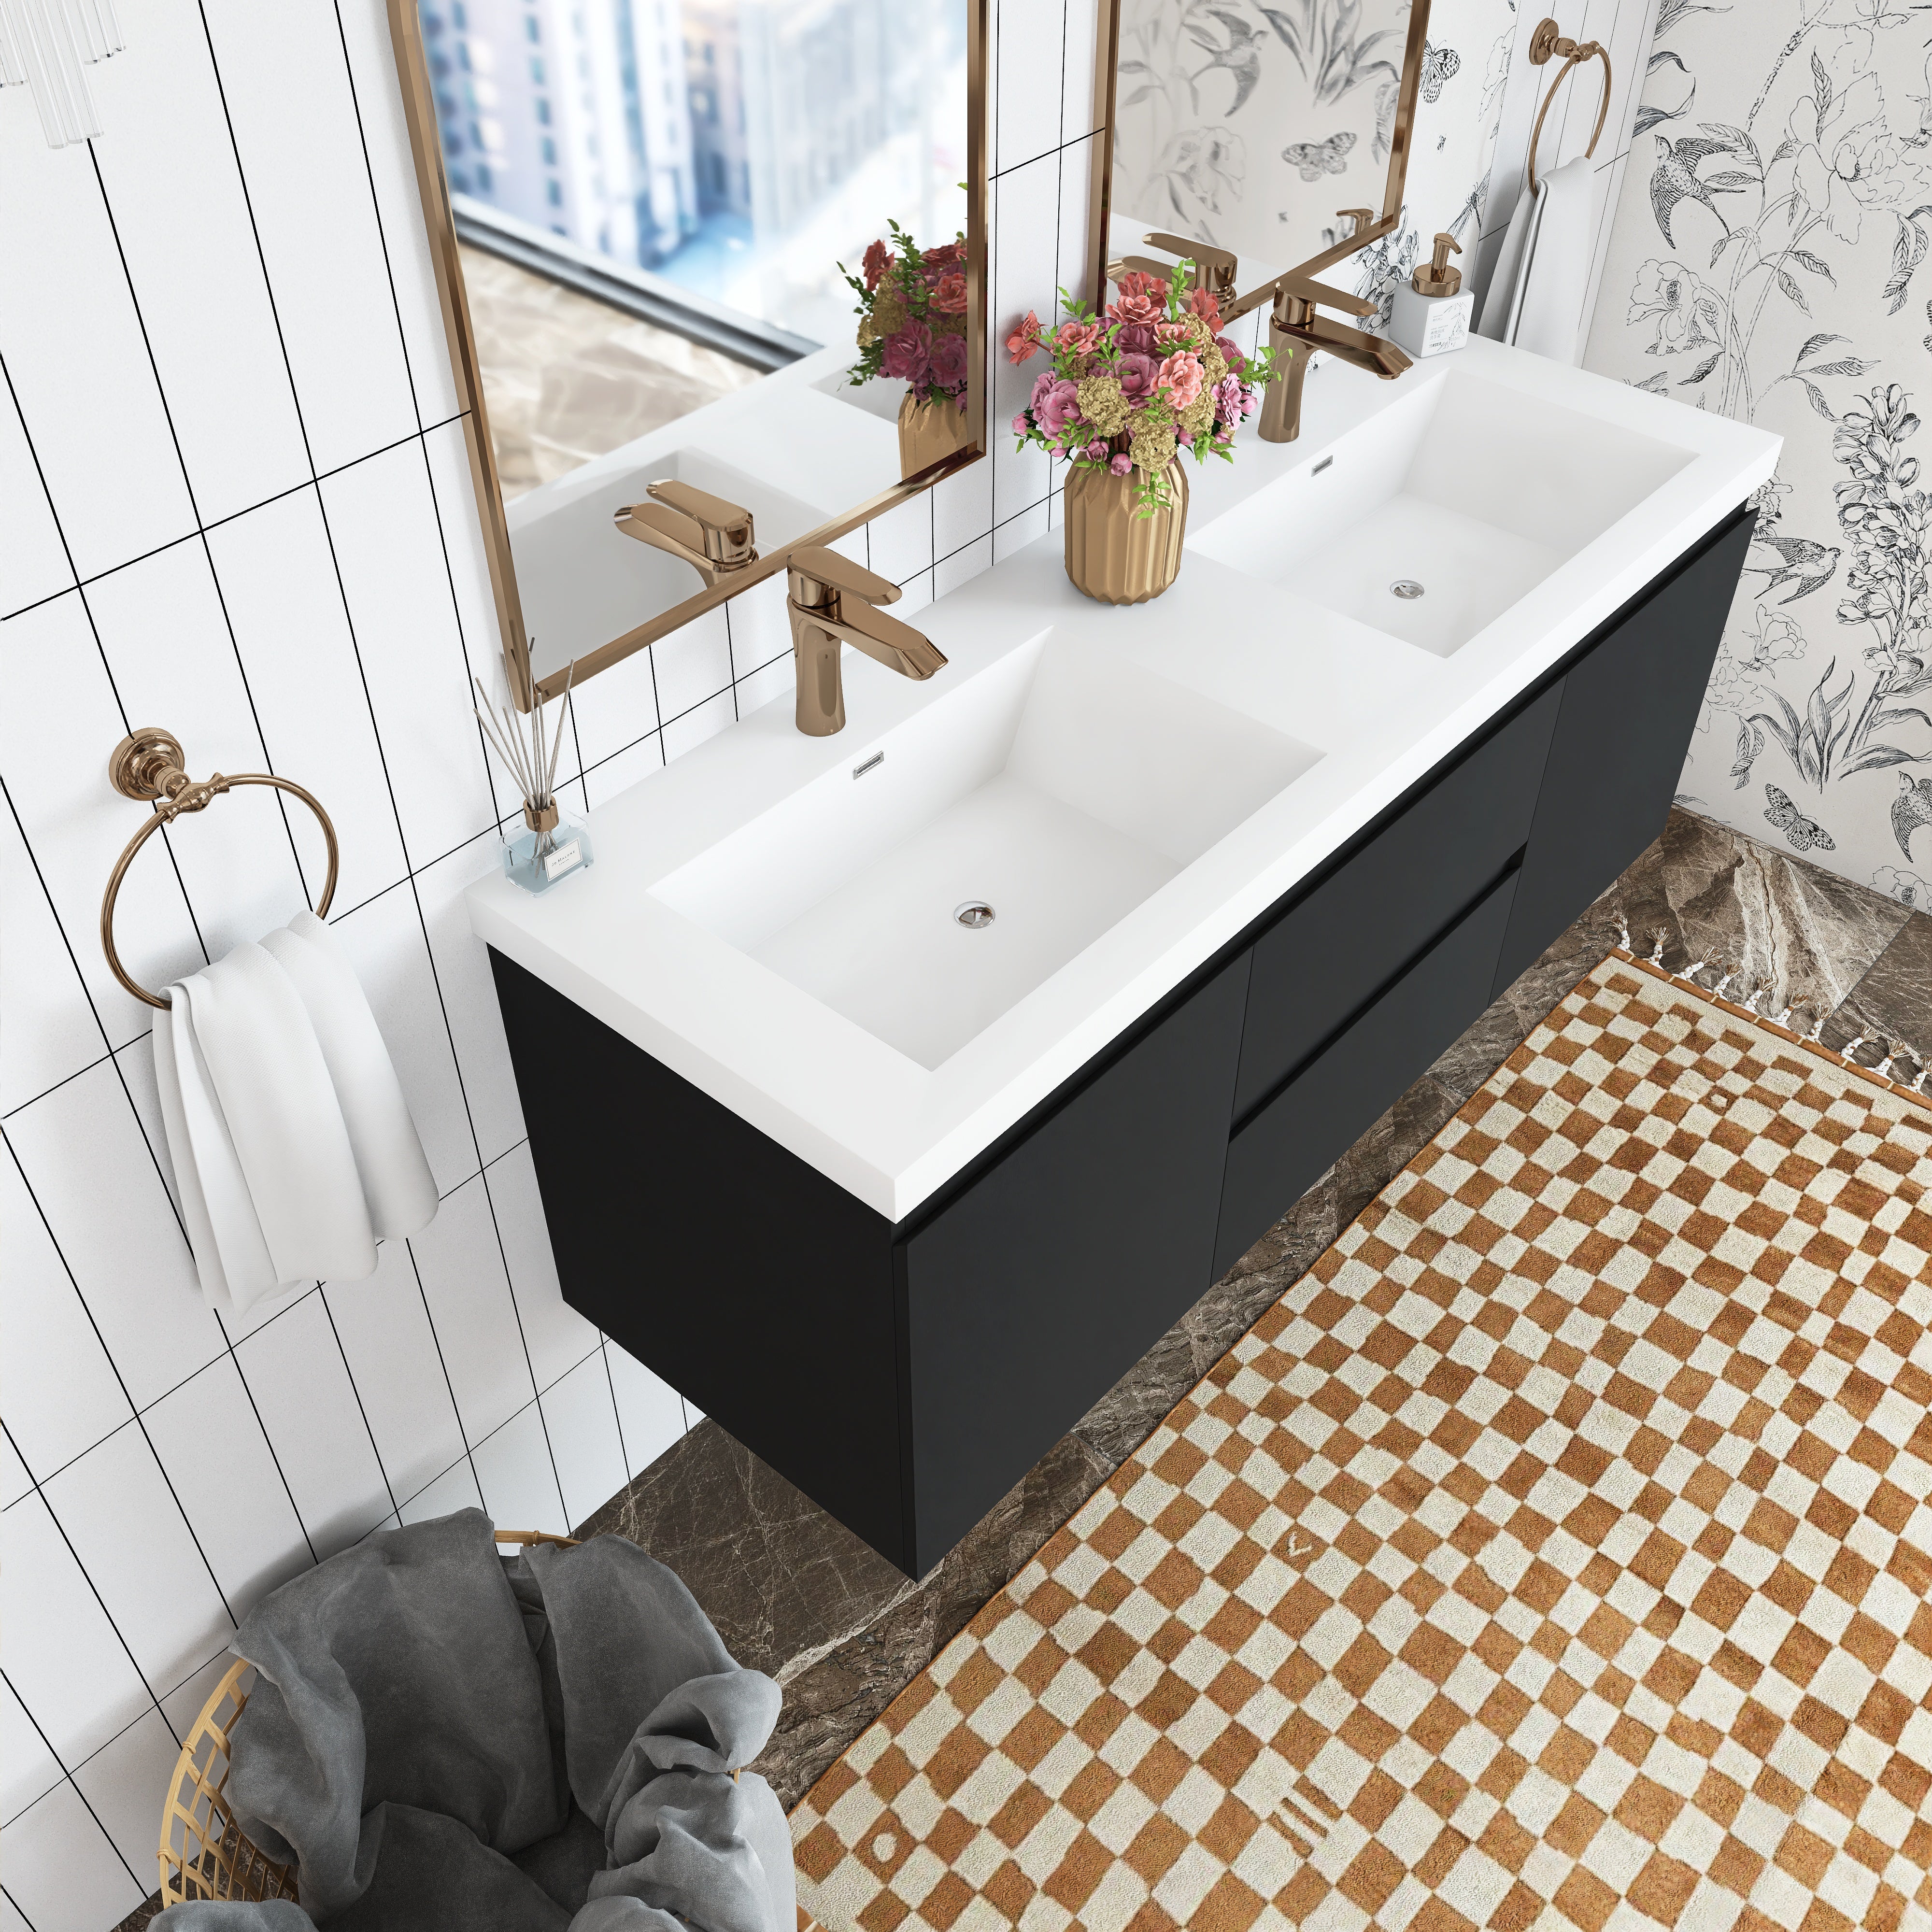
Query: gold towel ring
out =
(1548, 41)
(148, 764)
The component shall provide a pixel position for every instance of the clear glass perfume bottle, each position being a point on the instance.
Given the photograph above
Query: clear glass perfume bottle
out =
(552, 846)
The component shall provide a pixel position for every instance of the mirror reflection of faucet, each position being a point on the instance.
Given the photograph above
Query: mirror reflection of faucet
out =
(1293, 322)
(833, 602)
(713, 536)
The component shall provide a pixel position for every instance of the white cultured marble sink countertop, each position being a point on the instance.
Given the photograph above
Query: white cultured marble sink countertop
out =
(1130, 787)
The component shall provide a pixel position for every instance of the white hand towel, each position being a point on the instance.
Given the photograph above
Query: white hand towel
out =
(282, 1117)
(396, 1180)
(291, 1144)
(1498, 309)
(230, 1255)
(1535, 298)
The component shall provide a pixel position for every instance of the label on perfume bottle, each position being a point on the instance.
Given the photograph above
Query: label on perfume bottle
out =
(563, 859)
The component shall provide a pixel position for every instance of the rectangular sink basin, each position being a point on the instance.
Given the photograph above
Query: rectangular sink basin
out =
(1431, 520)
(1059, 788)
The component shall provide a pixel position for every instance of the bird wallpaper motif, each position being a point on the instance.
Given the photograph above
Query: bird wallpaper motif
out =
(1768, 261)
(1459, 108)
(1250, 123)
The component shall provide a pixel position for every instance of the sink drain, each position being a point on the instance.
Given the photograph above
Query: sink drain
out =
(975, 913)
(1406, 588)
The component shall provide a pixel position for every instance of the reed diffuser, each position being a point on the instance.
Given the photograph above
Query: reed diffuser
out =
(553, 844)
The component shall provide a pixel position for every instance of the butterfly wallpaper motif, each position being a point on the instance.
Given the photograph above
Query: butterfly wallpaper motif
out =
(1249, 123)
(1767, 260)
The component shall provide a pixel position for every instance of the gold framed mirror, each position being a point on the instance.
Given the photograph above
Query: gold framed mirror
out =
(666, 239)
(1240, 132)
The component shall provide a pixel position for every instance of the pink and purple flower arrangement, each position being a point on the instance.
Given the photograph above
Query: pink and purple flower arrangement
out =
(912, 317)
(1128, 388)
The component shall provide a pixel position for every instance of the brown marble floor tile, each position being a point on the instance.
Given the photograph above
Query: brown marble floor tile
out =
(1807, 935)
(1892, 1004)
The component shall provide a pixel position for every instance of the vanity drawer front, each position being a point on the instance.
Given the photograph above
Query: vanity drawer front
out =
(1629, 708)
(1029, 1294)
(1316, 965)
(1297, 1135)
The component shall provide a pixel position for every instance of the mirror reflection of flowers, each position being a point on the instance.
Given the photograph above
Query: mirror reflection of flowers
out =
(1129, 388)
(912, 317)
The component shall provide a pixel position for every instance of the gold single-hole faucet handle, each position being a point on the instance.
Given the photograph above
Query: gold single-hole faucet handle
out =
(1295, 295)
(1214, 268)
(1362, 217)
(728, 538)
(715, 537)
(815, 567)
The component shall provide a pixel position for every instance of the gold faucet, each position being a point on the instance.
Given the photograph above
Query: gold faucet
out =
(832, 603)
(1213, 267)
(712, 535)
(1293, 320)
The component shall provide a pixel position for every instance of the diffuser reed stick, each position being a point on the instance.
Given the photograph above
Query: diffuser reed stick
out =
(528, 752)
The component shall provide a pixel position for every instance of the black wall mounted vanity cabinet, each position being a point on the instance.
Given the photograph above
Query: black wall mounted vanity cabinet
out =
(905, 1377)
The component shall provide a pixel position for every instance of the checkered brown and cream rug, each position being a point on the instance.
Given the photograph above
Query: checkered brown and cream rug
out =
(1555, 1554)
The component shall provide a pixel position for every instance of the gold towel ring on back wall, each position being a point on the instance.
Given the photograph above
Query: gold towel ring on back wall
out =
(1548, 41)
(148, 764)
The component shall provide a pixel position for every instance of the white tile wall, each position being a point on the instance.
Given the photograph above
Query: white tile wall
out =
(235, 503)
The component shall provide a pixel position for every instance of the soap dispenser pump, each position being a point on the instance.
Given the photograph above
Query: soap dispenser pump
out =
(1431, 314)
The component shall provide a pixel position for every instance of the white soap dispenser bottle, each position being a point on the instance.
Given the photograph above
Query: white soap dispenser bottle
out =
(1431, 315)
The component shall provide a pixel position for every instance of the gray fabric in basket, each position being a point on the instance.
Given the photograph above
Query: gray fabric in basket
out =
(427, 1712)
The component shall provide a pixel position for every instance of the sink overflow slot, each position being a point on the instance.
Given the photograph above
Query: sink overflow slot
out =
(974, 914)
(876, 758)
(1323, 464)
(1406, 588)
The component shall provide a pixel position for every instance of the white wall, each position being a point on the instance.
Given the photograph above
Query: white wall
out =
(233, 503)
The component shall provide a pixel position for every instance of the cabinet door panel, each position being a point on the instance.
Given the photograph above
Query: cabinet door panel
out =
(1297, 1136)
(1320, 960)
(1628, 709)
(1032, 1294)
(742, 1275)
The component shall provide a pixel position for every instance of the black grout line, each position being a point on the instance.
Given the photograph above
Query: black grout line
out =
(81, 1764)
(126, 1394)
(449, 1387)
(233, 516)
(611, 1381)
(1060, 147)
(67, 1775)
(60, 1532)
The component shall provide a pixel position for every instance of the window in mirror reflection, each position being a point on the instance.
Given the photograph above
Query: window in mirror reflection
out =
(737, 151)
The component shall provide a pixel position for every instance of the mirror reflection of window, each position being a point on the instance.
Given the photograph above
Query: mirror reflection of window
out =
(722, 156)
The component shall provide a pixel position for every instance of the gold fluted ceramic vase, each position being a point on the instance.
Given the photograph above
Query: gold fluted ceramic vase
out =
(929, 433)
(1112, 554)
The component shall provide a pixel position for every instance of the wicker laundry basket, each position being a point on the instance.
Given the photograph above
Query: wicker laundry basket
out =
(205, 1854)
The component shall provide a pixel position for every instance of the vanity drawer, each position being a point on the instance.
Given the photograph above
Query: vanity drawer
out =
(1298, 1135)
(1315, 966)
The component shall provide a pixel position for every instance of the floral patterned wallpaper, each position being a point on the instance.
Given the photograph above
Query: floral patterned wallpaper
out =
(1769, 260)
(1458, 110)
(1200, 81)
